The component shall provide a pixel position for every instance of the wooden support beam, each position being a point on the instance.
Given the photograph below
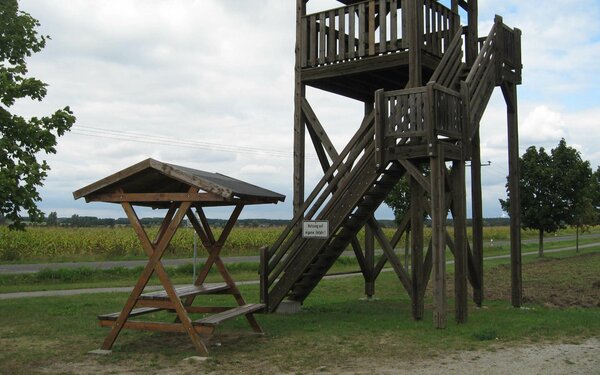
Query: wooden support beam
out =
(438, 238)
(417, 199)
(299, 128)
(413, 16)
(477, 219)
(416, 174)
(510, 94)
(369, 261)
(391, 255)
(472, 37)
(459, 208)
(313, 123)
(155, 197)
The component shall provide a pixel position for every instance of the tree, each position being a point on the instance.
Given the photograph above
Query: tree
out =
(539, 197)
(555, 190)
(595, 194)
(52, 219)
(575, 176)
(22, 140)
(399, 199)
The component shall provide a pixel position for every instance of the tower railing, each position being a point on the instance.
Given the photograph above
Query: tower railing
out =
(419, 115)
(371, 28)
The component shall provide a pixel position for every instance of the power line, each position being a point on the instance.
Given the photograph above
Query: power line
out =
(130, 136)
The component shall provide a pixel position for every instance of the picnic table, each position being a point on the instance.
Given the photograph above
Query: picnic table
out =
(182, 192)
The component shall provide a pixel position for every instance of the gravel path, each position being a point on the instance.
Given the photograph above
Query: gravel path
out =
(543, 359)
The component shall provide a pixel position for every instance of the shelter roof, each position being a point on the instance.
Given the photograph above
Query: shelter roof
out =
(156, 184)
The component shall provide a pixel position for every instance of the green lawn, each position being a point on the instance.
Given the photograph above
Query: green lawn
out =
(335, 329)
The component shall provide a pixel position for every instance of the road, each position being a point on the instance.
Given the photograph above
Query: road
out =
(72, 292)
(31, 268)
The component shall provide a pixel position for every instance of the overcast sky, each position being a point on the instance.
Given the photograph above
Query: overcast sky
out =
(208, 84)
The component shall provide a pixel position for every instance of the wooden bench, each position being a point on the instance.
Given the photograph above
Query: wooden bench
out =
(134, 312)
(186, 291)
(234, 312)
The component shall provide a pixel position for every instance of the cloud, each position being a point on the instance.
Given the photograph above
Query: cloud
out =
(220, 72)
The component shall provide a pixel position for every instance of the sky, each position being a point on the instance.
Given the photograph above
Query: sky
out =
(208, 84)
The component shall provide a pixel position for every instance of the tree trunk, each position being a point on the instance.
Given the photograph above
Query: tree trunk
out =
(577, 239)
(541, 244)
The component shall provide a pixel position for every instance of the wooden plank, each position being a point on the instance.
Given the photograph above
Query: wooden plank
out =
(428, 37)
(371, 27)
(342, 34)
(331, 38)
(160, 327)
(382, 26)
(322, 38)
(187, 290)
(351, 32)
(394, 25)
(134, 312)
(362, 29)
(305, 42)
(314, 42)
(234, 312)
(380, 126)
(156, 197)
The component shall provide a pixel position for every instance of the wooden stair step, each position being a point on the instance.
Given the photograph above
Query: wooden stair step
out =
(186, 291)
(134, 312)
(234, 312)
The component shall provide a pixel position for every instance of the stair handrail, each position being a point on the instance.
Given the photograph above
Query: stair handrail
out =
(451, 61)
(280, 266)
(356, 139)
(488, 48)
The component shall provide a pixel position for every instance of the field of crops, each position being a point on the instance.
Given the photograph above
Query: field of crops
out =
(60, 243)
(49, 243)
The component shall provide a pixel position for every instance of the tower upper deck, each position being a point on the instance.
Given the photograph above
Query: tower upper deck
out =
(366, 45)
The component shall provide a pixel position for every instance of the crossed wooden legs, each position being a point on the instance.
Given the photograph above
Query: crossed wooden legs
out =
(171, 299)
(155, 251)
(214, 247)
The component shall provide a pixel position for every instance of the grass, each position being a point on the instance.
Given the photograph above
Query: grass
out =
(85, 277)
(336, 331)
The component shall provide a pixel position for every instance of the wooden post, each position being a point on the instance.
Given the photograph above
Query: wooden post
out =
(509, 90)
(438, 237)
(459, 208)
(477, 218)
(416, 230)
(299, 128)
(369, 238)
(414, 19)
(471, 39)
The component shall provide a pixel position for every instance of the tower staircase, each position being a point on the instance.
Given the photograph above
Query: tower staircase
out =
(405, 124)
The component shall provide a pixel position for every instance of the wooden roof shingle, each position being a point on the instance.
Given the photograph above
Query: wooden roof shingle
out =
(161, 182)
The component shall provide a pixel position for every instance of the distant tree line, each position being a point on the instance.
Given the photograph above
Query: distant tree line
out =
(557, 189)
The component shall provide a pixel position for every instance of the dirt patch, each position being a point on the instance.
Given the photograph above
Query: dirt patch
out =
(550, 282)
(546, 359)
(555, 358)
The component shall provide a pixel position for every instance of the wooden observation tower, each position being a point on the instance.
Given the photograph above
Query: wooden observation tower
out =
(425, 80)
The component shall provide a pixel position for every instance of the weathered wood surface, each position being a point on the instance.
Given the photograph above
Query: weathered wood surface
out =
(371, 28)
(186, 291)
(234, 312)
